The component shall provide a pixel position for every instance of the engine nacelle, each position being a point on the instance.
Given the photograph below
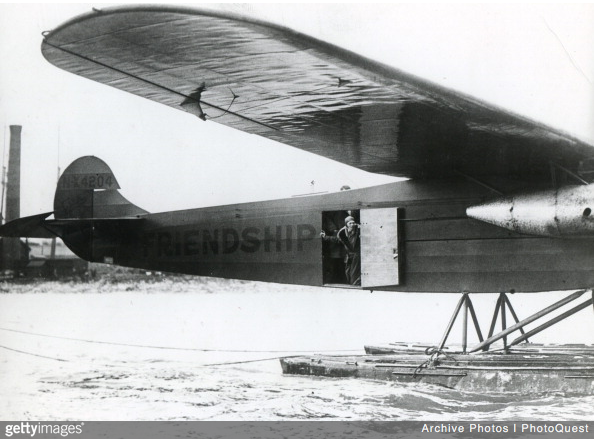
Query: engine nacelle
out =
(562, 212)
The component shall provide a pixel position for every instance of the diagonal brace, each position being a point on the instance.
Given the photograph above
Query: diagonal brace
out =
(528, 320)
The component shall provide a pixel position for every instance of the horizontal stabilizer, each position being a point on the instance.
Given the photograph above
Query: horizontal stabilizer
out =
(98, 221)
(36, 226)
(30, 227)
(60, 224)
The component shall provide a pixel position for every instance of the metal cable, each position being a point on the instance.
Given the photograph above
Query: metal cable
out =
(172, 348)
(245, 362)
(202, 365)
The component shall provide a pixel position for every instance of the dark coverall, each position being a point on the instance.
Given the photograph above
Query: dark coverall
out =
(351, 242)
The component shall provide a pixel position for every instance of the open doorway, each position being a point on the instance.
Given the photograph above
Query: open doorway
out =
(370, 256)
(341, 250)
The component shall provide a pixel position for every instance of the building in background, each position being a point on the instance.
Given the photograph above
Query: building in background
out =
(53, 261)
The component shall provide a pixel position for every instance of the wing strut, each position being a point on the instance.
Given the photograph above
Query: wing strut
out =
(570, 173)
(466, 303)
(503, 334)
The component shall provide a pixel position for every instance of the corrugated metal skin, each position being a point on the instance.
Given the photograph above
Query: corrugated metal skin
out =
(442, 251)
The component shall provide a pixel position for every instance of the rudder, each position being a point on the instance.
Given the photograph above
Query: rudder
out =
(88, 189)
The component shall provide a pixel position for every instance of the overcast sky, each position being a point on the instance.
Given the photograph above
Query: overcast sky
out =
(535, 60)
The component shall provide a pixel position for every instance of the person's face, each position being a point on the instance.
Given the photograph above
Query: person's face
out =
(351, 224)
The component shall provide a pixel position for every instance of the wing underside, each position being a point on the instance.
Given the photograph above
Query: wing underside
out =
(288, 87)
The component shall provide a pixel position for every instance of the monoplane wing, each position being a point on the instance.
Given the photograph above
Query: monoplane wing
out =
(268, 80)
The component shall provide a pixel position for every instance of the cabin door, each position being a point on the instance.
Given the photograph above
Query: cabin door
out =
(379, 247)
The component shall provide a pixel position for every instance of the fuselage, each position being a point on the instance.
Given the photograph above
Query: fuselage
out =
(440, 248)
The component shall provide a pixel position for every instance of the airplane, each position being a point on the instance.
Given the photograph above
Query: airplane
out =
(494, 202)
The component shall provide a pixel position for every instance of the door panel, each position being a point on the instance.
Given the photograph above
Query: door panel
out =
(379, 247)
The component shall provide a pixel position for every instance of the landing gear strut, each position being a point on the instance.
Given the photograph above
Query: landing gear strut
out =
(500, 308)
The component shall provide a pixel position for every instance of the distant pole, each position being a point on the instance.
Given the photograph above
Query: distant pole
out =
(2, 212)
(3, 192)
(53, 246)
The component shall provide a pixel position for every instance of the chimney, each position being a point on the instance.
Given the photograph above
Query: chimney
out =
(12, 246)
(13, 185)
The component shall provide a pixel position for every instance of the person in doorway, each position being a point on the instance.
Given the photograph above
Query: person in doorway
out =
(333, 250)
(349, 237)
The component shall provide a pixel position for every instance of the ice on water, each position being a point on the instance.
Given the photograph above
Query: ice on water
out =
(146, 351)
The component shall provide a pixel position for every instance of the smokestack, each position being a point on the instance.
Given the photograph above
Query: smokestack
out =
(12, 246)
(13, 186)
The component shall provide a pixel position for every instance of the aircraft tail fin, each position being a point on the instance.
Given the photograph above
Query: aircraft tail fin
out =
(90, 214)
(88, 189)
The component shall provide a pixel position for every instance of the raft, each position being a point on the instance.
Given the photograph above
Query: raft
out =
(528, 369)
